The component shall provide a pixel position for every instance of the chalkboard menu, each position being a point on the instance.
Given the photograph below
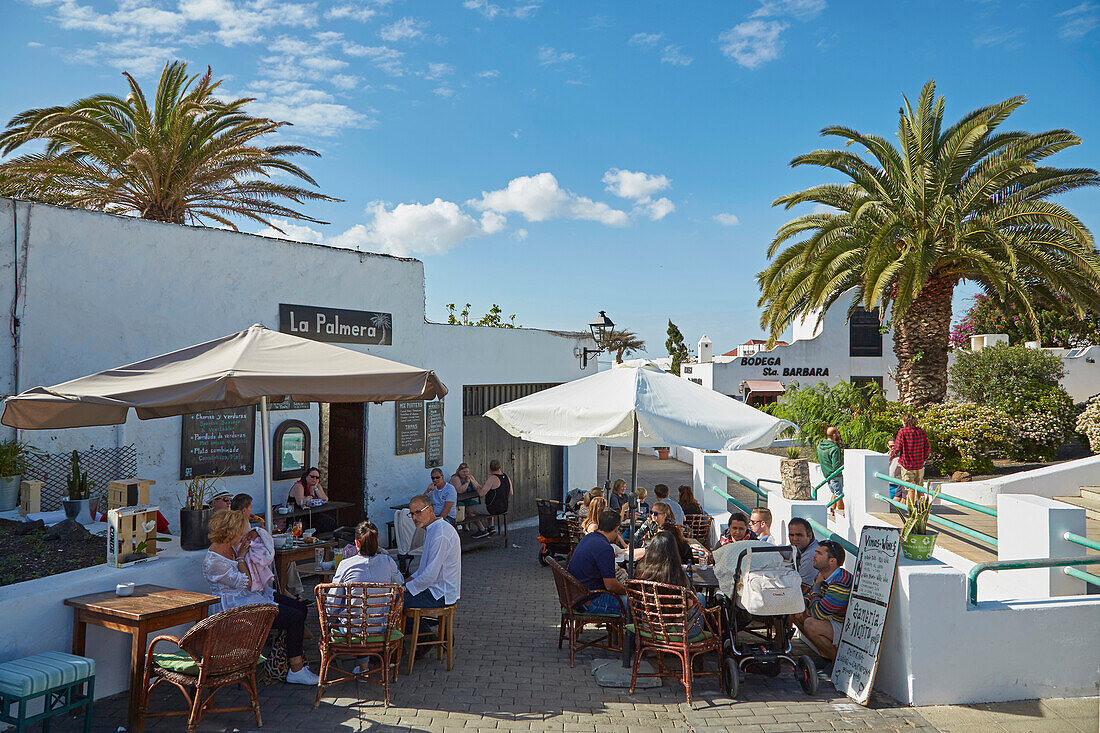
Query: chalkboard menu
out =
(857, 655)
(433, 434)
(219, 441)
(288, 404)
(410, 426)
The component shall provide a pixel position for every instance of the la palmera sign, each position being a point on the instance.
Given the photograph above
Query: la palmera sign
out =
(771, 362)
(336, 325)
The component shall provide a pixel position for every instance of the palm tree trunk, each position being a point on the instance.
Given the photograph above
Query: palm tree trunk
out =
(920, 344)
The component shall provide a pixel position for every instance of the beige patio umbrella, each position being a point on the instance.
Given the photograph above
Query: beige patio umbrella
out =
(247, 368)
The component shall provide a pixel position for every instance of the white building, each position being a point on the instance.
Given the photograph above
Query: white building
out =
(90, 291)
(833, 350)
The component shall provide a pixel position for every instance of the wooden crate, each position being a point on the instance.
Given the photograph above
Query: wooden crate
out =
(30, 496)
(125, 492)
(127, 528)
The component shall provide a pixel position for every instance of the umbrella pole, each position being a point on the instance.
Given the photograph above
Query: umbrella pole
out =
(607, 481)
(265, 450)
(628, 642)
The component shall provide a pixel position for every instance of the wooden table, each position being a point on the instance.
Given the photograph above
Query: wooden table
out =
(285, 556)
(308, 512)
(151, 608)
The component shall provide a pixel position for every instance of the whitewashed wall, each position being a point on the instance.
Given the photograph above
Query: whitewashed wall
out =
(99, 291)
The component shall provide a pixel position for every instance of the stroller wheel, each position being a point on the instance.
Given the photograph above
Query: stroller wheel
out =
(543, 552)
(733, 681)
(807, 675)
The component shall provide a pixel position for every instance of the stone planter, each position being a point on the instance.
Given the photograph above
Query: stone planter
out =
(194, 526)
(9, 492)
(795, 476)
(919, 546)
(79, 510)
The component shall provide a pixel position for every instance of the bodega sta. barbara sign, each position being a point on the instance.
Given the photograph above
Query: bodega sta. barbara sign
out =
(336, 325)
(772, 366)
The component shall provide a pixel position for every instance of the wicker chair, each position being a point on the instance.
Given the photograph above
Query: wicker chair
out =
(360, 620)
(698, 527)
(660, 612)
(220, 650)
(570, 594)
(576, 529)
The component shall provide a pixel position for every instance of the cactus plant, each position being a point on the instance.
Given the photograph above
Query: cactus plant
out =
(915, 516)
(77, 481)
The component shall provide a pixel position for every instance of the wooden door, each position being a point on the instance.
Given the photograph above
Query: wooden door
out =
(346, 457)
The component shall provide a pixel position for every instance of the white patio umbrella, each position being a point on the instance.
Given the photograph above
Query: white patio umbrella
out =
(245, 368)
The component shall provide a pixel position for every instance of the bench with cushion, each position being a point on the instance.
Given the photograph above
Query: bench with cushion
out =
(58, 678)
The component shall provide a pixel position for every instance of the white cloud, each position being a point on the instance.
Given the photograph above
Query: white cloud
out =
(139, 57)
(409, 229)
(675, 56)
(800, 9)
(438, 71)
(549, 56)
(659, 209)
(34, 44)
(488, 74)
(292, 231)
(444, 91)
(306, 107)
(350, 12)
(405, 29)
(245, 21)
(646, 40)
(727, 220)
(1080, 20)
(753, 42)
(520, 10)
(539, 198)
(382, 57)
(519, 235)
(634, 185)
(994, 36)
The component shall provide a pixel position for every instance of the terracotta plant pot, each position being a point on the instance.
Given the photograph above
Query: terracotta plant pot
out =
(919, 546)
(662, 454)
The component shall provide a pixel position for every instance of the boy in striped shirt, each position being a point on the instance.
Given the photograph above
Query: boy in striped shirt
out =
(827, 601)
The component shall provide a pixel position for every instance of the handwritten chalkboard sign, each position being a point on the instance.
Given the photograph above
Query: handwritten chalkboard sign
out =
(219, 441)
(410, 426)
(288, 403)
(857, 655)
(433, 435)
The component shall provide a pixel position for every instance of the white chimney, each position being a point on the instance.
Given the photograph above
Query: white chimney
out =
(706, 350)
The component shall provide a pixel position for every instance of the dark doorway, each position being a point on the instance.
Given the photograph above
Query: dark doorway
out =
(345, 434)
(537, 470)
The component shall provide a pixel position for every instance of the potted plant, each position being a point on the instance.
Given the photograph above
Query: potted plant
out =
(13, 462)
(662, 452)
(917, 542)
(78, 505)
(195, 514)
(794, 475)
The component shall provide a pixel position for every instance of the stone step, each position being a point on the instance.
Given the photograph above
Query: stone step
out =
(1090, 492)
(1090, 505)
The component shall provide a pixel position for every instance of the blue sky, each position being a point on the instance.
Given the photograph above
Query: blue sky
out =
(561, 158)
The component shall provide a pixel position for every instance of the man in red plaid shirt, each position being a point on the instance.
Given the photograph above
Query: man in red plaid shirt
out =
(911, 449)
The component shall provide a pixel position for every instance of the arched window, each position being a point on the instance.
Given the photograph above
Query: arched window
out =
(291, 449)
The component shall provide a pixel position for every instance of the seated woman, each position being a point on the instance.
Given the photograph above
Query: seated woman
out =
(660, 519)
(306, 488)
(688, 502)
(582, 510)
(661, 564)
(369, 566)
(230, 579)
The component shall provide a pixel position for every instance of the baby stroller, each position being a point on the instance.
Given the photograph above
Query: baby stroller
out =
(760, 589)
(553, 531)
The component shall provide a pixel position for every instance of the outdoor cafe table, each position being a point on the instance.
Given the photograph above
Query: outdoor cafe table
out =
(329, 506)
(284, 556)
(151, 608)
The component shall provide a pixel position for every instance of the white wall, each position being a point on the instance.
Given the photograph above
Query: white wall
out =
(100, 291)
(1061, 479)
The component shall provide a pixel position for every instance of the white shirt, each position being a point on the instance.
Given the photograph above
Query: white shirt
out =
(770, 539)
(440, 570)
(677, 510)
(362, 569)
(230, 584)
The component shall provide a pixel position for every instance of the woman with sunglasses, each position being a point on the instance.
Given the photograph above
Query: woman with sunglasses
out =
(306, 488)
(660, 519)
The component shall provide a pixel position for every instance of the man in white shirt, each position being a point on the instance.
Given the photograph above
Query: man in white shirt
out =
(760, 522)
(438, 580)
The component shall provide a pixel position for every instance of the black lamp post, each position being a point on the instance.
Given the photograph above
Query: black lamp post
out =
(601, 327)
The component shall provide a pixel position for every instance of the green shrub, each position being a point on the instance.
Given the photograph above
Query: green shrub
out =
(964, 436)
(1088, 423)
(1003, 374)
(1044, 421)
(856, 411)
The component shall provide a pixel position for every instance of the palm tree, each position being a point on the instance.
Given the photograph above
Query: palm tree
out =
(189, 156)
(622, 343)
(962, 203)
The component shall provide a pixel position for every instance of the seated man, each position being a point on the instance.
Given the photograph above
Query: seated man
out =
(760, 522)
(827, 602)
(495, 492)
(801, 536)
(593, 564)
(661, 492)
(221, 500)
(443, 496)
(438, 580)
(737, 530)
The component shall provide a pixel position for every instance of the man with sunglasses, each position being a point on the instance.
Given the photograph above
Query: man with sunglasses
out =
(437, 582)
(827, 601)
(760, 522)
(444, 497)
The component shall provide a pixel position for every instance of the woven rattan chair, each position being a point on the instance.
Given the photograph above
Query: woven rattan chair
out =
(698, 527)
(220, 650)
(576, 530)
(360, 620)
(572, 593)
(660, 612)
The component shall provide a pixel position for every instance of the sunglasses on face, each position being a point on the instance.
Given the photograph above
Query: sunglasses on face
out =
(757, 521)
(414, 512)
(314, 475)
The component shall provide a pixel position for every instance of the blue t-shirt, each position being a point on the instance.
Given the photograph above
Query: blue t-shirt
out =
(593, 561)
(440, 497)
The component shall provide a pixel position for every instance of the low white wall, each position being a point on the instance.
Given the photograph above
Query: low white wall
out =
(1062, 479)
(39, 621)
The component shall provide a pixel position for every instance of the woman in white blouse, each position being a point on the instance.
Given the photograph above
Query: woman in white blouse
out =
(226, 570)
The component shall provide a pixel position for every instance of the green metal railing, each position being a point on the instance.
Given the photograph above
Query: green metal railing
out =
(727, 497)
(835, 499)
(760, 493)
(1083, 541)
(947, 524)
(941, 495)
(1082, 575)
(827, 533)
(1044, 562)
(825, 481)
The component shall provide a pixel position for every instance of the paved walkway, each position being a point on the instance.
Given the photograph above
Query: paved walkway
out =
(510, 675)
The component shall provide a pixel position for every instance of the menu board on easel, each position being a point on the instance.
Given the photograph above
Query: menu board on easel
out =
(218, 442)
(409, 420)
(868, 607)
(433, 434)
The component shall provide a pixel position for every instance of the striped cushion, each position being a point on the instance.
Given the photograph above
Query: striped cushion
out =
(47, 671)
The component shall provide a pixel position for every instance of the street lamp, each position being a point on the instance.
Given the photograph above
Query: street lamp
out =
(601, 327)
